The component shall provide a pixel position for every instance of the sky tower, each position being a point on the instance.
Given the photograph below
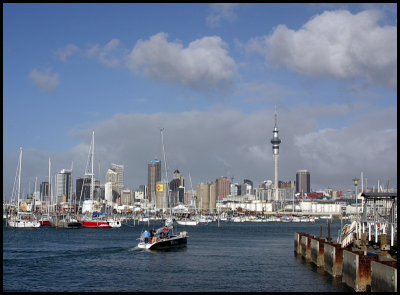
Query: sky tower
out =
(275, 141)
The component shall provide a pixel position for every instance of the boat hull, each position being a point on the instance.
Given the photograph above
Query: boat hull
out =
(69, 224)
(23, 224)
(95, 224)
(44, 222)
(187, 222)
(175, 241)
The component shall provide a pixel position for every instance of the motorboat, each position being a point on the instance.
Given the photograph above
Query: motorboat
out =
(160, 241)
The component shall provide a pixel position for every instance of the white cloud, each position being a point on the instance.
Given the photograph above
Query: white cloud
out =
(221, 12)
(109, 55)
(338, 44)
(45, 79)
(204, 65)
(63, 53)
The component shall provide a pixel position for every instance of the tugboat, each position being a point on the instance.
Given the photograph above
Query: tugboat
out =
(160, 240)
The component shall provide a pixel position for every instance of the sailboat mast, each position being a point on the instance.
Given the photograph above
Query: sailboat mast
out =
(19, 176)
(48, 190)
(92, 178)
(165, 167)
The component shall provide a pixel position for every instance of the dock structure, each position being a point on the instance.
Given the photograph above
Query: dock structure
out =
(366, 259)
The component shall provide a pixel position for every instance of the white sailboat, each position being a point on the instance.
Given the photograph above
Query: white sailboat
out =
(188, 221)
(22, 219)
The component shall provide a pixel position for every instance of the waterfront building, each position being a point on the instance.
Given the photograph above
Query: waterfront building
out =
(127, 197)
(108, 191)
(177, 187)
(203, 196)
(236, 190)
(119, 169)
(223, 187)
(275, 141)
(303, 181)
(113, 177)
(45, 191)
(213, 196)
(139, 195)
(247, 187)
(160, 196)
(154, 176)
(83, 188)
(64, 185)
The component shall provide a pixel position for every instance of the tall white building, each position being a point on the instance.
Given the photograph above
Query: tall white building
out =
(120, 171)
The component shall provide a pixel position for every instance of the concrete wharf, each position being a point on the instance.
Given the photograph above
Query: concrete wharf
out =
(369, 261)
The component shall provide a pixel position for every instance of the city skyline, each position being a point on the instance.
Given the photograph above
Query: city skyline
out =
(127, 70)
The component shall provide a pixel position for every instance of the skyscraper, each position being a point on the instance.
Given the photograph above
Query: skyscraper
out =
(64, 185)
(120, 170)
(113, 177)
(154, 175)
(275, 149)
(303, 181)
(223, 187)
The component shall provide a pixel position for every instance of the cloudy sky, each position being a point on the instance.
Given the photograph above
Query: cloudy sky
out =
(211, 75)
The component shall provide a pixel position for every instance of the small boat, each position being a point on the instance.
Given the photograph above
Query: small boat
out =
(162, 242)
(187, 222)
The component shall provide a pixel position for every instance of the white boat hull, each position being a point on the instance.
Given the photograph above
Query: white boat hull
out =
(114, 223)
(187, 222)
(23, 224)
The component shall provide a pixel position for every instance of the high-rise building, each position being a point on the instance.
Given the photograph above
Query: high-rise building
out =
(120, 171)
(303, 181)
(113, 177)
(177, 187)
(203, 193)
(275, 141)
(64, 185)
(83, 188)
(223, 187)
(154, 175)
(45, 191)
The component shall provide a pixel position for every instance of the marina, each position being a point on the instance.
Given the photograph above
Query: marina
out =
(316, 213)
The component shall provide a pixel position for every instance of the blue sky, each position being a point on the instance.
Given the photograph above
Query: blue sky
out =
(211, 75)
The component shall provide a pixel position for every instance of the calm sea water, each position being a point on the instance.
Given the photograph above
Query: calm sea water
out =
(243, 257)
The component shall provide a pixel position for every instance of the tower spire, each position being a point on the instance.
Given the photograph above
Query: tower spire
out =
(275, 141)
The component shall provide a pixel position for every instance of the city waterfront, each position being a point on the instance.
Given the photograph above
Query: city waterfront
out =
(244, 257)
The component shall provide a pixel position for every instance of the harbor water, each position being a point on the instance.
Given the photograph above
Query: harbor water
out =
(242, 257)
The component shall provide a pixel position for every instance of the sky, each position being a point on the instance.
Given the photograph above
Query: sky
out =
(212, 76)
